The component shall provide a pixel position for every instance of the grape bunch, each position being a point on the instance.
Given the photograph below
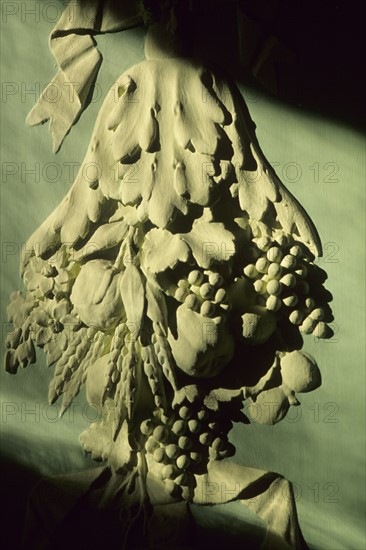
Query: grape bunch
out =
(183, 443)
(279, 271)
(203, 292)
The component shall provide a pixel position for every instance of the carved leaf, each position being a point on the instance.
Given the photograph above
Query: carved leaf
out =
(20, 308)
(133, 296)
(71, 221)
(105, 237)
(260, 191)
(97, 378)
(167, 159)
(210, 242)
(121, 451)
(98, 439)
(222, 395)
(162, 249)
(156, 306)
(189, 393)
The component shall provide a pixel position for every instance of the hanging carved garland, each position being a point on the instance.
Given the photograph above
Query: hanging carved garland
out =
(172, 272)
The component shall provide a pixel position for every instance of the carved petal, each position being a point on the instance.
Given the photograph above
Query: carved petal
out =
(19, 309)
(41, 317)
(26, 353)
(11, 361)
(61, 308)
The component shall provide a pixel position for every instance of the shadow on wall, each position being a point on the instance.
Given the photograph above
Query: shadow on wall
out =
(16, 482)
(302, 53)
(58, 518)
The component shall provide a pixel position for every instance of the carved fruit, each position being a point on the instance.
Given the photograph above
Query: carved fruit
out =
(204, 346)
(96, 296)
(258, 327)
(270, 406)
(300, 372)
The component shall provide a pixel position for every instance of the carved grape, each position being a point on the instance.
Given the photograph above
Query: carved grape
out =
(182, 447)
(279, 279)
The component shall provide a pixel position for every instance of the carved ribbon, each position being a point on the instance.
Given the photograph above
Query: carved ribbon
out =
(79, 60)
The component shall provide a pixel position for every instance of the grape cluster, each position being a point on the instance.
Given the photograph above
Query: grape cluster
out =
(183, 443)
(279, 269)
(203, 292)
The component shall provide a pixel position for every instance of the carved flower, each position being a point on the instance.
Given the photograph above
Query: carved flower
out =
(50, 319)
(52, 277)
(39, 277)
(20, 308)
(66, 270)
(46, 323)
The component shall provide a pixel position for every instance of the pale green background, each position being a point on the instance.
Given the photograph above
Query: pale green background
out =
(321, 446)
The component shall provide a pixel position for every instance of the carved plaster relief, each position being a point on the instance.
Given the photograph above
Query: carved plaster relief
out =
(176, 277)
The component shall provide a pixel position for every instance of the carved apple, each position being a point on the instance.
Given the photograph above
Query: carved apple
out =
(96, 296)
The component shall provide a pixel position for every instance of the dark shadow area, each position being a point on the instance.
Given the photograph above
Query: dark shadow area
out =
(63, 514)
(307, 54)
(16, 483)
